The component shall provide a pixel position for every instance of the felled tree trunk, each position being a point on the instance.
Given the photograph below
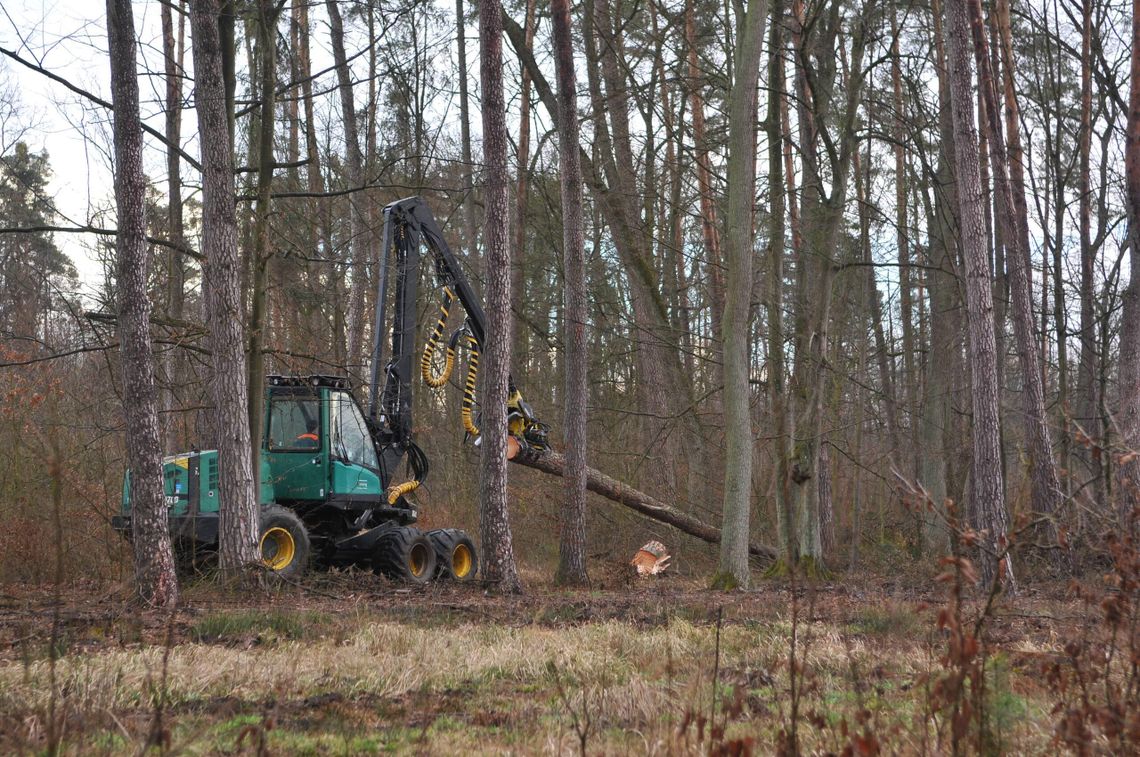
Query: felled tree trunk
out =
(555, 464)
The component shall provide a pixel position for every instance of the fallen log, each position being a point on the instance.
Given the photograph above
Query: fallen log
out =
(554, 463)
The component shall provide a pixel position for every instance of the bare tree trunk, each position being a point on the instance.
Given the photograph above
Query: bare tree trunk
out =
(494, 522)
(572, 545)
(736, 323)
(358, 255)
(518, 268)
(945, 348)
(777, 381)
(909, 379)
(173, 49)
(989, 498)
(822, 215)
(262, 253)
(1047, 491)
(237, 532)
(1128, 469)
(470, 232)
(155, 578)
(1087, 401)
(710, 230)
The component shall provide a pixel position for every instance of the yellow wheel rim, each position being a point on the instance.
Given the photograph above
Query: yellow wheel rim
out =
(418, 560)
(277, 548)
(461, 561)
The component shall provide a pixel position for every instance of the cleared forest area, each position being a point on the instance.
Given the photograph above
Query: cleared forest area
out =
(354, 665)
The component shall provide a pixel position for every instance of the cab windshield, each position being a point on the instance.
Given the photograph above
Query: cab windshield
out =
(350, 440)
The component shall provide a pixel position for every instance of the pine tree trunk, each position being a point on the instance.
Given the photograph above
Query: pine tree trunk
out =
(469, 226)
(777, 393)
(238, 527)
(262, 253)
(736, 322)
(572, 545)
(172, 51)
(710, 227)
(942, 285)
(1013, 216)
(155, 578)
(1128, 469)
(498, 551)
(518, 259)
(1085, 412)
(988, 494)
(909, 379)
(358, 250)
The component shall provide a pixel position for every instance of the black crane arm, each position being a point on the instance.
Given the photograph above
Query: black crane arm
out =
(409, 226)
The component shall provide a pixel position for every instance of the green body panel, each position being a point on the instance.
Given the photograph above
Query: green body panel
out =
(314, 458)
(176, 483)
(354, 479)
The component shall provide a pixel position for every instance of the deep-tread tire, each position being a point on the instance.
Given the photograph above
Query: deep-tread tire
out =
(404, 554)
(283, 542)
(456, 556)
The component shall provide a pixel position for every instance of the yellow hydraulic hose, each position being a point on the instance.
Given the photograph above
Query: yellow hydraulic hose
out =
(469, 388)
(432, 379)
(400, 490)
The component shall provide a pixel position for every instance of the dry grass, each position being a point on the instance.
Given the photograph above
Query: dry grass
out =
(443, 673)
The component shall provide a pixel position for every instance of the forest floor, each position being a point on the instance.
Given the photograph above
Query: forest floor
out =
(352, 664)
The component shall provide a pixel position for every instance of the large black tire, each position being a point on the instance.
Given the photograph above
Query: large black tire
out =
(284, 542)
(404, 554)
(455, 553)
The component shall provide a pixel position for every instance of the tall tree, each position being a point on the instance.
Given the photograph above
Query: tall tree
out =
(262, 254)
(1086, 410)
(154, 561)
(518, 269)
(824, 193)
(238, 527)
(469, 227)
(1128, 472)
(1009, 192)
(777, 383)
(358, 241)
(988, 489)
(736, 322)
(572, 545)
(494, 521)
(173, 50)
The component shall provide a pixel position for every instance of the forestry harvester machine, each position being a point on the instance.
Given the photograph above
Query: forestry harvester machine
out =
(331, 492)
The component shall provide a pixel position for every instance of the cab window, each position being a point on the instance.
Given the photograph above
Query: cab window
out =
(295, 424)
(350, 440)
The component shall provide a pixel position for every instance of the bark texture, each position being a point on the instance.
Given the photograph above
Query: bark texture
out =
(237, 536)
(155, 578)
(262, 253)
(172, 51)
(572, 545)
(1013, 216)
(988, 491)
(494, 523)
(354, 162)
(736, 322)
(1128, 471)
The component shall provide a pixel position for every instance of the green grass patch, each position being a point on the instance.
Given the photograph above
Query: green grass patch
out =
(258, 625)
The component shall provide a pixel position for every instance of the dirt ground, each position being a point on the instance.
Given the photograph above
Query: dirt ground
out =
(352, 664)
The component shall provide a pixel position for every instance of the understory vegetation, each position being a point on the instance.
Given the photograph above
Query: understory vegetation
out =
(348, 663)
